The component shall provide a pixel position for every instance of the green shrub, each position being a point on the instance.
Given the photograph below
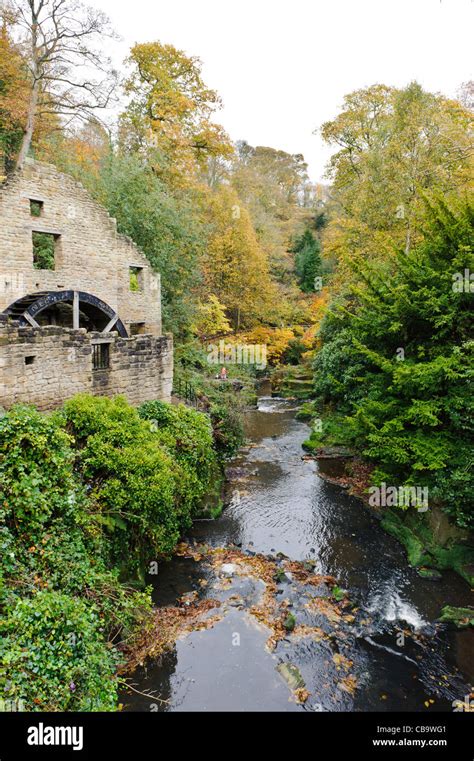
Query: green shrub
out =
(147, 470)
(133, 479)
(227, 429)
(410, 412)
(36, 469)
(294, 352)
(88, 495)
(332, 432)
(43, 251)
(189, 437)
(55, 656)
(55, 552)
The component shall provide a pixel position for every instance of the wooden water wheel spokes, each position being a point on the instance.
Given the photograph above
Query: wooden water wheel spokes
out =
(29, 307)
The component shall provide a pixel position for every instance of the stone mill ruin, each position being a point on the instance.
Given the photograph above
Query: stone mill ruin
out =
(80, 306)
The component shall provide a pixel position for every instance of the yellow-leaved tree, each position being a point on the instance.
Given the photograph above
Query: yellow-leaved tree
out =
(211, 318)
(235, 266)
(394, 148)
(169, 113)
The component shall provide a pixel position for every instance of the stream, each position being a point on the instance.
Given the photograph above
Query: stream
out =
(400, 659)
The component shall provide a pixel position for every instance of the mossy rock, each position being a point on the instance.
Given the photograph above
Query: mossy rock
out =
(412, 530)
(416, 552)
(429, 573)
(290, 622)
(296, 393)
(303, 416)
(297, 382)
(306, 412)
(311, 445)
(292, 675)
(462, 618)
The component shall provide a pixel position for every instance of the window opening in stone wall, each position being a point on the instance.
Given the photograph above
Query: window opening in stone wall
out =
(100, 356)
(137, 328)
(44, 250)
(29, 360)
(36, 208)
(136, 278)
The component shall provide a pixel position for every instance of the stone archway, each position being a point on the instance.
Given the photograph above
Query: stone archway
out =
(68, 309)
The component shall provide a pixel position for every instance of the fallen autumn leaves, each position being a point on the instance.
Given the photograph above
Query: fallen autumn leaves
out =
(271, 609)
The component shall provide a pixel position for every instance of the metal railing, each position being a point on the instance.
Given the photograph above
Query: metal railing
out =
(185, 390)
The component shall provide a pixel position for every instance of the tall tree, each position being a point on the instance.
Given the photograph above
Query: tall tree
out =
(169, 114)
(82, 152)
(393, 147)
(69, 75)
(308, 264)
(397, 358)
(164, 226)
(466, 94)
(274, 187)
(13, 94)
(235, 265)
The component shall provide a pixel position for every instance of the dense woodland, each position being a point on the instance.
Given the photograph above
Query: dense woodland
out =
(365, 279)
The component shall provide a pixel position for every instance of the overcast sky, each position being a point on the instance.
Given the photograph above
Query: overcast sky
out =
(282, 67)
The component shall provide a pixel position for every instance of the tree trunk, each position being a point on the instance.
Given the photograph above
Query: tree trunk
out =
(30, 126)
(35, 90)
(408, 241)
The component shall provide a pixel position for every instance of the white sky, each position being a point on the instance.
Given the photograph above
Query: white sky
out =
(282, 67)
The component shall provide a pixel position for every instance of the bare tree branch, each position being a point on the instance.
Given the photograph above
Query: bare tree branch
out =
(62, 43)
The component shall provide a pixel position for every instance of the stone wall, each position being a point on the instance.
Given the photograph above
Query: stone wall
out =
(46, 366)
(90, 255)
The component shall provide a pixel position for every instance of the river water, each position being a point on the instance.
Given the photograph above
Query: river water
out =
(276, 503)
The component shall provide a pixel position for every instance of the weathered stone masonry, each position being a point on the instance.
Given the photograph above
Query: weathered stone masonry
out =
(59, 331)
